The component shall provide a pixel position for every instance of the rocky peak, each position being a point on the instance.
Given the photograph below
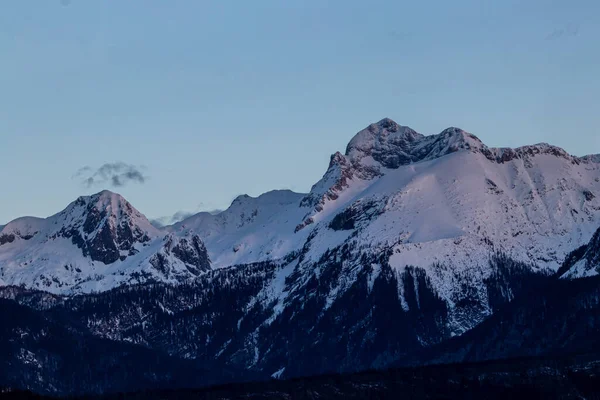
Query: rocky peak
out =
(525, 153)
(390, 145)
(188, 249)
(241, 199)
(103, 207)
(386, 142)
(450, 140)
(337, 159)
(105, 226)
(382, 145)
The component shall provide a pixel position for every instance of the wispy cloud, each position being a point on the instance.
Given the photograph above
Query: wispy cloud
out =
(117, 174)
(170, 220)
(569, 30)
(180, 216)
(175, 218)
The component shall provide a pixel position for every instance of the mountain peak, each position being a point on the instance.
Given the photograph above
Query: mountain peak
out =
(104, 225)
(240, 199)
(457, 132)
(107, 194)
(388, 124)
(110, 204)
(385, 142)
(108, 197)
(391, 145)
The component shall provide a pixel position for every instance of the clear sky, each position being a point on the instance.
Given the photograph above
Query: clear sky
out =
(211, 99)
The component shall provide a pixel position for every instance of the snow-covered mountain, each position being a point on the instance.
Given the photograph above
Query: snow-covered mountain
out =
(94, 244)
(443, 203)
(408, 191)
(406, 241)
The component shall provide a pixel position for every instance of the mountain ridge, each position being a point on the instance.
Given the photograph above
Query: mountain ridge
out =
(407, 241)
(443, 203)
(96, 242)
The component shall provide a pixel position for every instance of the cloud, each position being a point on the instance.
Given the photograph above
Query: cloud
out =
(170, 220)
(396, 34)
(215, 211)
(117, 174)
(569, 30)
(203, 207)
(177, 217)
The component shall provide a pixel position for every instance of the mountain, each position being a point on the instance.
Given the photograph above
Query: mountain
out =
(97, 242)
(406, 242)
(391, 168)
(444, 205)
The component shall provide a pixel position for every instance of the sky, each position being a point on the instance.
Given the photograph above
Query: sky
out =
(182, 105)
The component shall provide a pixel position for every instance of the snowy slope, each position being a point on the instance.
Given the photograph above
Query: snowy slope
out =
(251, 229)
(584, 261)
(96, 243)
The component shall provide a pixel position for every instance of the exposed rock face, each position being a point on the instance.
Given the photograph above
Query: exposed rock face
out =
(391, 145)
(25, 232)
(589, 196)
(359, 212)
(388, 143)
(7, 238)
(106, 229)
(584, 261)
(188, 250)
(193, 253)
(337, 178)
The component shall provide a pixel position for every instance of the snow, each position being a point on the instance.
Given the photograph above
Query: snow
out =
(274, 293)
(40, 257)
(581, 269)
(251, 229)
(277, 374)
(447, 203)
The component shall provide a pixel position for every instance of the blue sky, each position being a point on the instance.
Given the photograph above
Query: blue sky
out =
(214, 99)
